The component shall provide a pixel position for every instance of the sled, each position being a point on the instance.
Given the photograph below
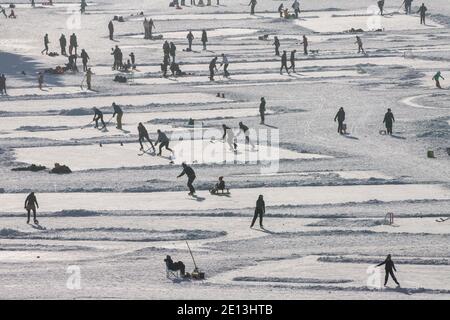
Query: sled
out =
(221, 192)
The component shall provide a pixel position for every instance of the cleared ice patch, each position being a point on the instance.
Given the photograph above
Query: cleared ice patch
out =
(239, 198)
(215, 16)
(222, 32)
(411, 102)
(14, 92)
(340, 21)
(357, 175)
(104, 101)
(87, 157)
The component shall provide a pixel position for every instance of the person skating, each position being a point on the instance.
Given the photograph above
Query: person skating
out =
(163, 141)
(46, 42)
(111, 30)
(40, 80)
(292, 60)
(73, 44)
(296, 7)
(284, 63)
(63, 44)
(252, 5)
(190, 38)
(204, 39)
(84, 58)
(381, 6)
(389, 268)
(98, 115)
(408, 5)
(305, 45)
(422, 11)
(436, 78)
(187, 170)
(262, 110)
(228, 136)
(340, 117)
(260, 210)
(3, 84)
(246, 131)
(280, 10)
(173, 51)
(276, 43)
(360, 45)
(89, 74)
(225, 64)
(143, 135)
(119, 113)
(212, 68)
(30, 205)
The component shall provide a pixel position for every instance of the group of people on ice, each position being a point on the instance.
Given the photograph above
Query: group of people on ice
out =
(388, 121)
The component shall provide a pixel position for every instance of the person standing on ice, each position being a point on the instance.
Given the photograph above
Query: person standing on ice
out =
(163, 141)
(204, 39)
(280, 10)
(84, 58)
(389, 268)
(246, 131)
(133, 60)
(46, 42)
(40, 80)
(252, 5)
(3, 84)
(62, 44)
(436, 78)
(284, 62)
(305, 45)
(293, 60)
(296, 7)
(422, 11)
(173, 51)
(408, 5)
(151, 25)
(166, 50)
(260, 210)
(118, 111)
(381, 6)
(89, 74)
(276, 43)
(143, 134)
(340, 117)
(30, 205)
(73, 44)
(187, 170)
(212, 68)
(111, 30)
(146, 29)
(225, 64)
(388, 121)
(360, 45)
(98, 115)
(190, 38)
(262, 110)
(83, 6)
(228, 136)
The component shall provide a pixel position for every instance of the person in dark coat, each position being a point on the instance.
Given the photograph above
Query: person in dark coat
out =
(422, 11)
(166, 50)
(190, 38)
(305, 45)
(187, 170)
(408, 5)
(212, 68)
(262, 109)
(284, 63)
(63, 44)
(143, 134)
(390, 268)
(360, 45)
(119, 113)
(260, 210)
(276, 43)
(3, 84)
(73, 44)
(98, 115)
(30, 205)
(293, 60)
(111, 30)
(204, 39)
(84, 58)
(175, 266)
(280, 10)
(173, 51)
(163, 141)
(340, 117)
(381, 6)
(46, 42)
(252, 5)
(388, 121)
